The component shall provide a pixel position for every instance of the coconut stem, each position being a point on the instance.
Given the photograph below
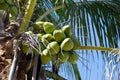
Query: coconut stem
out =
(94, 48)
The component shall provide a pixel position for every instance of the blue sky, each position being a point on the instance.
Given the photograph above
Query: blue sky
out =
(95, 66)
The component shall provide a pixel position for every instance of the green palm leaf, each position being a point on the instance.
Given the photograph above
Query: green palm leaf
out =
(76, 72)
(102, 15)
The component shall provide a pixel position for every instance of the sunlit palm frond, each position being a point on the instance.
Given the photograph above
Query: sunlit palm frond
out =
(89, 19)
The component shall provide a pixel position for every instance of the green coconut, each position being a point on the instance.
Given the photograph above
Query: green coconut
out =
(67, 44)
(54, 58)
(13, 11)
(38, 25)
(59, 35)
(67, 30)
(45, 57)
(47, 38)
(64, 56)
(29, 32)
(48, 27)
(53, 48)
(9, 2)
(40, 36)
(25, 48)
(45, 52)
(4, 6)
(76, 43)
(73, 58)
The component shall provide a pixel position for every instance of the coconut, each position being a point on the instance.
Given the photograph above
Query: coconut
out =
(38, 25)
(25, 48)
(54, 58)
(76, 43)
(47, 38)
(67, 30)
(9, 2)
(45, 57)
(48, 27)
(40, 36)
(73, 58)
(67, 44)
(29, 32)
(59, 35)
(44, 52)
(13, 11)
(53, 47)
(63, 56)
(4, 6)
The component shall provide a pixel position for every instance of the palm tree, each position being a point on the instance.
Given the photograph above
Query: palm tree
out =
(93, 23)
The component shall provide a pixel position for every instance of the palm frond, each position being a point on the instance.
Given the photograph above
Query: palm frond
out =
(89, 19)
(69, 71)
(76, 72)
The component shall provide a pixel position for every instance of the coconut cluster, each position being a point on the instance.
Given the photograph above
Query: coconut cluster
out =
(58, 43)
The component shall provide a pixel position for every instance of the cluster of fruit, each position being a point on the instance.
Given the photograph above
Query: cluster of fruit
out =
(58, 43)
